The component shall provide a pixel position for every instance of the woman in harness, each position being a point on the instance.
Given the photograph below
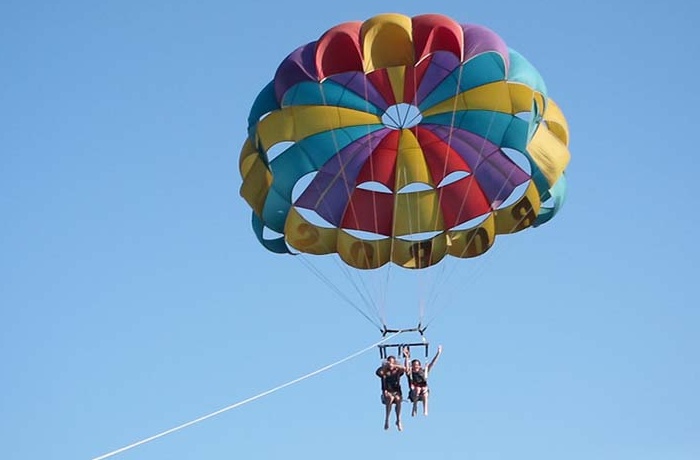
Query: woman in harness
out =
(418, 380)
(390, 373)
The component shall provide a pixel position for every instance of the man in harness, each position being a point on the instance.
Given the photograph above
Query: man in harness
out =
(390, 373)
(418, 380)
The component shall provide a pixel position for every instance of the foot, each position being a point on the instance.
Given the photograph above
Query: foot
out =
(413, 412)
(399, 426)
(386, 425)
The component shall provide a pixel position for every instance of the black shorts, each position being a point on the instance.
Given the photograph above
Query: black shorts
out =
(413, 394)
(394, 393)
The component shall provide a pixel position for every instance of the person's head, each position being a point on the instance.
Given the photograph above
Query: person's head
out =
(391, 360)
(415, 364)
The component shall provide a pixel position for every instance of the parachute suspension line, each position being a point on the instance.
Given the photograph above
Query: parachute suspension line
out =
(441, 279)
(366, 296)
(432, 294)
(414, 226)
(316, 271)
(485, 260)
(320, 275)
(369, 305)
(444, 279)
(421, 305)
(385, 291)
(482, 266)
(245, 401)
(361, 285)
(382, 284)
(482, 260)
(392, 243)
(423, 275)
(489, 256)
(452, 121)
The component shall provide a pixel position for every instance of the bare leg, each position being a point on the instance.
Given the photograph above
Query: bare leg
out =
(387, 406)
(425, 402)
(414, 409)
(397, 401)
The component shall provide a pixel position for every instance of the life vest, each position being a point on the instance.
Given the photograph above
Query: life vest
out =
(418, 378)
(392, 382)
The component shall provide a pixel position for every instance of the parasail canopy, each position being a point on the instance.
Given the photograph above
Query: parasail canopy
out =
(405, 140)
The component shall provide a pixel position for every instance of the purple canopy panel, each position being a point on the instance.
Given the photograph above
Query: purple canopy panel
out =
(479, 39)
(440, 65)
(496, 174)
(299, 66)
(358, 83)
(329, 192)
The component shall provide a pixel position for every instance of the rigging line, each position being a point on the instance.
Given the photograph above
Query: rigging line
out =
(411, 231)
(245, 401)
(343, 268)
(380, 288)
(368, 293)
(320, 275)
(516, 225)
(328, 282)
(374, 293)
(362, 281)
(435, 293)
(488, 259)
(466, 194)
(448, 148)
(514, 167)
(478, 271)
(380, 299)
(422, 275)
(356, 279)
(414, 130)
(354, 275)
(501, 245)
(480, 267)
(366, 296)
(385, 291)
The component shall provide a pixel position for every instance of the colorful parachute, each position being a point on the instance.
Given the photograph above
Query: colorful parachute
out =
(404, 131)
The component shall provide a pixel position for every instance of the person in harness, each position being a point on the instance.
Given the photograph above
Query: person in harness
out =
(390, 373)
(418, 380)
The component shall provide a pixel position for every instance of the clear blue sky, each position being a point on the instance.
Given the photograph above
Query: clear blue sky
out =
(134, 296)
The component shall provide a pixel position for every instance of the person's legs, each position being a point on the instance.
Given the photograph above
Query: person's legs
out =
(388, 400)
(414, 399)
(424, 397)
(398, 403)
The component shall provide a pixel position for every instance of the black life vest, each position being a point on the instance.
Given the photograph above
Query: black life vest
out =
(418, 378)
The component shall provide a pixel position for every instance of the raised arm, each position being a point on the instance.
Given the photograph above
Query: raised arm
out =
(435, 358)
(406, 359)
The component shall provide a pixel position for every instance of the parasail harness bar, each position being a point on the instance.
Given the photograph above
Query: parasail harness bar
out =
(400, 346)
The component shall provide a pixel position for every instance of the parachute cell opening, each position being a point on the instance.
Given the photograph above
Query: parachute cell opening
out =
(278, 149)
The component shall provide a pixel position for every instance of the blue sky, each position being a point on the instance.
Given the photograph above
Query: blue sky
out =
(134, 296)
